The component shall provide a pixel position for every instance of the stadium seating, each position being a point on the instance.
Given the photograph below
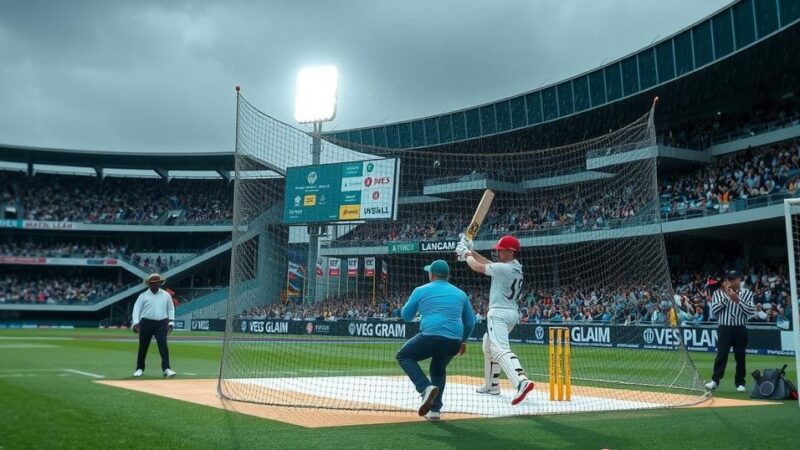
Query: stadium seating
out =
(73, 198)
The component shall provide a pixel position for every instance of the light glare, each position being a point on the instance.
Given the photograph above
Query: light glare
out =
(315, 99)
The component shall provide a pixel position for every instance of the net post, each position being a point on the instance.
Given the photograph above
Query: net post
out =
(787, 205)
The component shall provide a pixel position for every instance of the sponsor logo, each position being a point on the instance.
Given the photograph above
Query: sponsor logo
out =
(32, 224)
(390, 330)
(322, 199)
(322, 328)
(403, 247)
(376, 195)
(312, 177)
(370, 167)
(201, 325)
(438, 246)
(675, 337)
(351, 184)
(591, 335)
(348, 212)
(375, 210)
(244, 326)
(260, 326)
(369, 181)
(310, 200)
(297, 200)
(649, 336)
(539, 333)
(309, 328)
(23, 260)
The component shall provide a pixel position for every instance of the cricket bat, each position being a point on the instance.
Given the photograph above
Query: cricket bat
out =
(480, 214)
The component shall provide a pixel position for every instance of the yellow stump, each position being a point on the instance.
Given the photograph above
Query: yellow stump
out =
(552, 365)
(559, 378)
(567, 366)
(560, 365)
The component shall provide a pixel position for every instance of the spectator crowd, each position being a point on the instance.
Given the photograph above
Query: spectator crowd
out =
(50, 290)
(630, 305)
(71, 198)
(744, 175)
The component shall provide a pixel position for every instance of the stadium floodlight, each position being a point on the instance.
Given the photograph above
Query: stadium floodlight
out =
(315, 100)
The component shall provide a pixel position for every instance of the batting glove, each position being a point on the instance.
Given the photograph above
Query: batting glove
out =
(462, 252)
(467, 242)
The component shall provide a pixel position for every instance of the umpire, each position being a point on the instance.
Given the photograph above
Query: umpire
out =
(153, 315)
(447, 322)
(732, 304)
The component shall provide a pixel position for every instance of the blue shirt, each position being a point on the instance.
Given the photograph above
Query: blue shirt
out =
(444, 308)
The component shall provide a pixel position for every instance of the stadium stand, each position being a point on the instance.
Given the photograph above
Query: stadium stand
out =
(72, 198)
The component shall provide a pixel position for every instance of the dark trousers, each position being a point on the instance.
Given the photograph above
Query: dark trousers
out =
(148, 329)
(728, 336)
(440, 350)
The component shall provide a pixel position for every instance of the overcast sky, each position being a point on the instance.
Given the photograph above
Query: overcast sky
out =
(160, 75)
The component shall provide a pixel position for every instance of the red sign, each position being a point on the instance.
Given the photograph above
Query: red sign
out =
(352, 267)
(23, 260)
(333, 267)
(376, 195)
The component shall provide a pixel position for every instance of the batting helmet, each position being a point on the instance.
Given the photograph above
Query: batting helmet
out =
(507, 242)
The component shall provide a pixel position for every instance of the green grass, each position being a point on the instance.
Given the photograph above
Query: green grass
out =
(42, 406)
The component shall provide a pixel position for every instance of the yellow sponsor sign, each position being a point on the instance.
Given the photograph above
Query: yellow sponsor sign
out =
(349, 212)
(310, 200)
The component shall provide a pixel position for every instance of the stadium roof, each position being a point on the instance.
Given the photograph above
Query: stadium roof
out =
(728, 51)
(98, 160)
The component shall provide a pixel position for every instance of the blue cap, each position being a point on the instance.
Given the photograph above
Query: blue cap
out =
(439, 268)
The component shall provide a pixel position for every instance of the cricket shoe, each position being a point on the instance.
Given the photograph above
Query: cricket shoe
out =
(138, 373)
(428, 397)
(433, 416)
(493, 390)
(741, 388)
(711, 385)
(523, 390)
(169, 373)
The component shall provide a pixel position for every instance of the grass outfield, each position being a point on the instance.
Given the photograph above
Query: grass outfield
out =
(46, 406)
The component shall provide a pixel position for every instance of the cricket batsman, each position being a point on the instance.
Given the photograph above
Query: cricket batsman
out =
(504, 293)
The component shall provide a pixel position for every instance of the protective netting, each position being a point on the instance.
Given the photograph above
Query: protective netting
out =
(593, 258)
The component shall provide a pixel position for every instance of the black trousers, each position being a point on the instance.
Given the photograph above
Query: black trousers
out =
(150, 328)
(728, 336)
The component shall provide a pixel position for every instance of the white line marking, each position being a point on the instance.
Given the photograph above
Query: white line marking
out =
(189, 373)
(88, 374)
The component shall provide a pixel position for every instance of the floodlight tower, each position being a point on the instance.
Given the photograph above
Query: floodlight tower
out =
(315, 103)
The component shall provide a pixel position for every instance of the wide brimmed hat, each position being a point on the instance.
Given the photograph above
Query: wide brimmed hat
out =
(154, 278)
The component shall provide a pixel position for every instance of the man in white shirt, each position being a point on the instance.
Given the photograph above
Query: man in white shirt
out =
(504, 295)
(153, 315)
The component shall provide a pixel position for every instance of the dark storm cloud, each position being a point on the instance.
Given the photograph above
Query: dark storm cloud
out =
(159, 75)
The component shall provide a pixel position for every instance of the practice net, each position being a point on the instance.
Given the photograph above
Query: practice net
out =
(324, 333)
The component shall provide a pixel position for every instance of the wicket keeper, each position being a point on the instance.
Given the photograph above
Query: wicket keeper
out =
(447, 322)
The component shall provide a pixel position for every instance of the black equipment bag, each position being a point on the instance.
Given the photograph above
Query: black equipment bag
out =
(773, 385)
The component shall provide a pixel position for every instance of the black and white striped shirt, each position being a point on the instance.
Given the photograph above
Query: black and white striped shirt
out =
(730, 313)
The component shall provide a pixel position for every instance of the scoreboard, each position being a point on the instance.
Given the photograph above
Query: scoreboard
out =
(342, 192)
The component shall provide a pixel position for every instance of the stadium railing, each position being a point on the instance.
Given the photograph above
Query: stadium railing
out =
(755, 130)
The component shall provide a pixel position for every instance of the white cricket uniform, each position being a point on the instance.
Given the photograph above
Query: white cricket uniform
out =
(503, 316)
